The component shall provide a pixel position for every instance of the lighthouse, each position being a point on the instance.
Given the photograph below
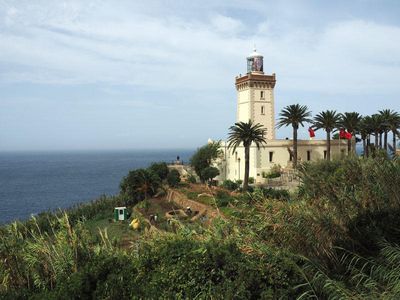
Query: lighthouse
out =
(255, 95)
(255, 102)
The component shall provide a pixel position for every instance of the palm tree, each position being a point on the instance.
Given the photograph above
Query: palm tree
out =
(365, 129)
(246, 134)
(376, 127)
(350, 121)
(386, 115)
(294, 115)
(394, 125)
(390, 122)
(327, 120)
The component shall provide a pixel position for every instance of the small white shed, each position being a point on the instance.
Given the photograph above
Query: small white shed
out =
(120, 213)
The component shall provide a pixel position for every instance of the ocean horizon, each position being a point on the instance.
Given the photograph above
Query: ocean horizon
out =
(35, 181)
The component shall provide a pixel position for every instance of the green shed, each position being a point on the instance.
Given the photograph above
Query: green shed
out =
(120, 213)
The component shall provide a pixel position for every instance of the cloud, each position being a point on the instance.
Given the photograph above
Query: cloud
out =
(176, 61)
(227, 25)
(67, 44)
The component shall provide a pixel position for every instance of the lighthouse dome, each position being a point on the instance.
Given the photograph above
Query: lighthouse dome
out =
(255, 62)
(255, 54)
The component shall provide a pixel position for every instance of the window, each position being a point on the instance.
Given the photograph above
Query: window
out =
(262, 110)
(271, 156)
(308, 155)
(325, 154)
(121, 212)
(262, 94)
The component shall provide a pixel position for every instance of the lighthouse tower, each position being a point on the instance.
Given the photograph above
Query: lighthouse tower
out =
(255, 95)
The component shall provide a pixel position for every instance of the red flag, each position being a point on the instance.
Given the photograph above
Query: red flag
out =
(311, 132)
(348, 135)
(342, 133)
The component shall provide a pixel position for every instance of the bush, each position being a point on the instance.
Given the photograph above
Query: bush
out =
(273, 173)
(191, 178)
(173, 178)
(187, 268)
(276, 194)
(251, 180)
(230, 185)
(223, 198)
(209, 173)
(161, 169)
(140, 184)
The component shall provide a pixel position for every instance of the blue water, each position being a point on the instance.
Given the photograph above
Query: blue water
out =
(39, 181)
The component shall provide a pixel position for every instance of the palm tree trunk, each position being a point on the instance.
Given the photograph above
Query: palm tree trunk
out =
(385, 136)
(328, 145)
(246, 167)
(380, 140)
(376, 140)
(368, 145)
(364, 146)
(394, 141)
(294, 147)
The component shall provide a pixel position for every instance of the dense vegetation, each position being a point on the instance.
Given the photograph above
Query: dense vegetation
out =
(203, 159)
(336, 237)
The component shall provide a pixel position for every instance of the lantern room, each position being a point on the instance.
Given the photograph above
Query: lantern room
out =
(255, 63)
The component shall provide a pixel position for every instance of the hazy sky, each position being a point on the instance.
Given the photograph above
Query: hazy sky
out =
(160, 74)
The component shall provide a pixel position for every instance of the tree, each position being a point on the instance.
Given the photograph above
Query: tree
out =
(365, 129)
(327, 120)
(161, 169)
(209, 173)
(375, 124)
(386, 115)
(173, 178)
(204, 157)
(246, 134)
(140, 184)
(294, 115)
(390, 122)
(350, 121)
(394, 125)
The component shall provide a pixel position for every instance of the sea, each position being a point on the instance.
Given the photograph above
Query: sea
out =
(32, 182)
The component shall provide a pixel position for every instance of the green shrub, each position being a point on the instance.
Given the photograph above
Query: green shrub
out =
(173, 178)
(279, 194)
(230, 185)
(223, 198)
(273, 173)
(187, 268)
(191, 178)
(209, 173)
(144, 204)
(140, 184)
(161, 169)
(251, 180)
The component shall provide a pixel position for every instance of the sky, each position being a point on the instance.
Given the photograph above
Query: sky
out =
(82, 75)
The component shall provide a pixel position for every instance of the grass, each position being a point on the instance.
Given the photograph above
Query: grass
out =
(228, 211)
(117, 231)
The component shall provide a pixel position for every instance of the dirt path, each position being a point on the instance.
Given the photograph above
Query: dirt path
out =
(204, 210)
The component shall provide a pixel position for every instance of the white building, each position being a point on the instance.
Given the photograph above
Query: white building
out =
(255, 102)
